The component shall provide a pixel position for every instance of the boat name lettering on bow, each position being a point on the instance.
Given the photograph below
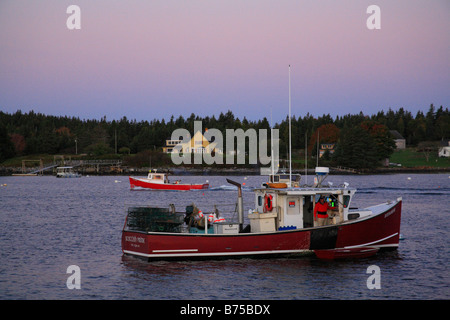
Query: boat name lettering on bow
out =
(389, 213)
(135, 239)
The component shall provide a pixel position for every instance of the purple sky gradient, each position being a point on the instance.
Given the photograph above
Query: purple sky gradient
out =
(153, 59)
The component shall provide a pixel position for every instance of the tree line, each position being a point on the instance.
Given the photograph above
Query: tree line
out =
(361, 140)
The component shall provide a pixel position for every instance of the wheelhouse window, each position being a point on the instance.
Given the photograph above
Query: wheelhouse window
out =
(332, 200)
(346, 201)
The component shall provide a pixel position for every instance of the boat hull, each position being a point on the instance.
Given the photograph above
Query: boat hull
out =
(380, 231)
(143, 183)
(68, 176)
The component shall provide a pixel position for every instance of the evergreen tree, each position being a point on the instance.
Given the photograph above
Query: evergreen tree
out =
(6, 146)
(356, 149)
(384, 143)
(38, 133)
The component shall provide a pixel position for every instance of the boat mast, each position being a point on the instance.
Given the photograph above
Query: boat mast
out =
(317, 160)
(306, 158)
(271, 142)
(290, 151)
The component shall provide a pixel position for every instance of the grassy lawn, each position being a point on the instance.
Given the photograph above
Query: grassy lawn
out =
(46, 158)
(411, 158)
(17, 161)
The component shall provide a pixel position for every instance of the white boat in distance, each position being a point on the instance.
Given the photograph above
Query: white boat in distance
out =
(66, 172)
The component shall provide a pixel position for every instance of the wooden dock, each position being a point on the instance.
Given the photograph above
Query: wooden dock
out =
(344, 169)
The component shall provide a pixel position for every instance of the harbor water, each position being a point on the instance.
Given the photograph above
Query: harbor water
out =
(49, 224)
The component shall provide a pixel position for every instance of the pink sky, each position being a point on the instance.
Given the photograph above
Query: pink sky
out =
(154, 59)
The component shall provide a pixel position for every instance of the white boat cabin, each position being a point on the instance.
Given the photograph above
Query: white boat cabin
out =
(283, 178)
(66, 172)
(293, 208)
(278, 209)
(158, 177)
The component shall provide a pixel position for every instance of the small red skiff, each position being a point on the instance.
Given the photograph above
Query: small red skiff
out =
(160, 181)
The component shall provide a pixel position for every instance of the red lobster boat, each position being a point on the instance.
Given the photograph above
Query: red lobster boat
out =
(160, 181)
(281, 223)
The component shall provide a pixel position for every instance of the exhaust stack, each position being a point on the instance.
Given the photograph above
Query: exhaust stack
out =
(240, 203)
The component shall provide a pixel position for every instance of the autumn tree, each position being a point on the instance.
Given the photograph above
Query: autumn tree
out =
(19, 143)
(327, 133)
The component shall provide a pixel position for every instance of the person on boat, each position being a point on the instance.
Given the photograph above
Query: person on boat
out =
(320, 212)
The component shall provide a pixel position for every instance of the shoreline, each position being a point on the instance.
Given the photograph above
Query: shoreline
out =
(184, 171)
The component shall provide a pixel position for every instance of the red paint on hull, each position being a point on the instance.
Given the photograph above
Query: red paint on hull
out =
(134, 182)
(155, 245)
(382, 230)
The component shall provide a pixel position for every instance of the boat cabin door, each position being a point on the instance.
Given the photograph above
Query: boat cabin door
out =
(293, 212)
(308, 216)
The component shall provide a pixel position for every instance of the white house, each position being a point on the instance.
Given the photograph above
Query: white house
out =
(198, 144)
(400, 142)
(444, 150)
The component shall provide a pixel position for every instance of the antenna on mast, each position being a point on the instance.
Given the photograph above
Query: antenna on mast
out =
(290, 150)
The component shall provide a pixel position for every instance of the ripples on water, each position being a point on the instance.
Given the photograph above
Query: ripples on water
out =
(48, 224)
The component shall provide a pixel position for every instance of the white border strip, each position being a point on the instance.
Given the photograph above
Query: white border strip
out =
(371, 243)
(211, 254)
(180, 250)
